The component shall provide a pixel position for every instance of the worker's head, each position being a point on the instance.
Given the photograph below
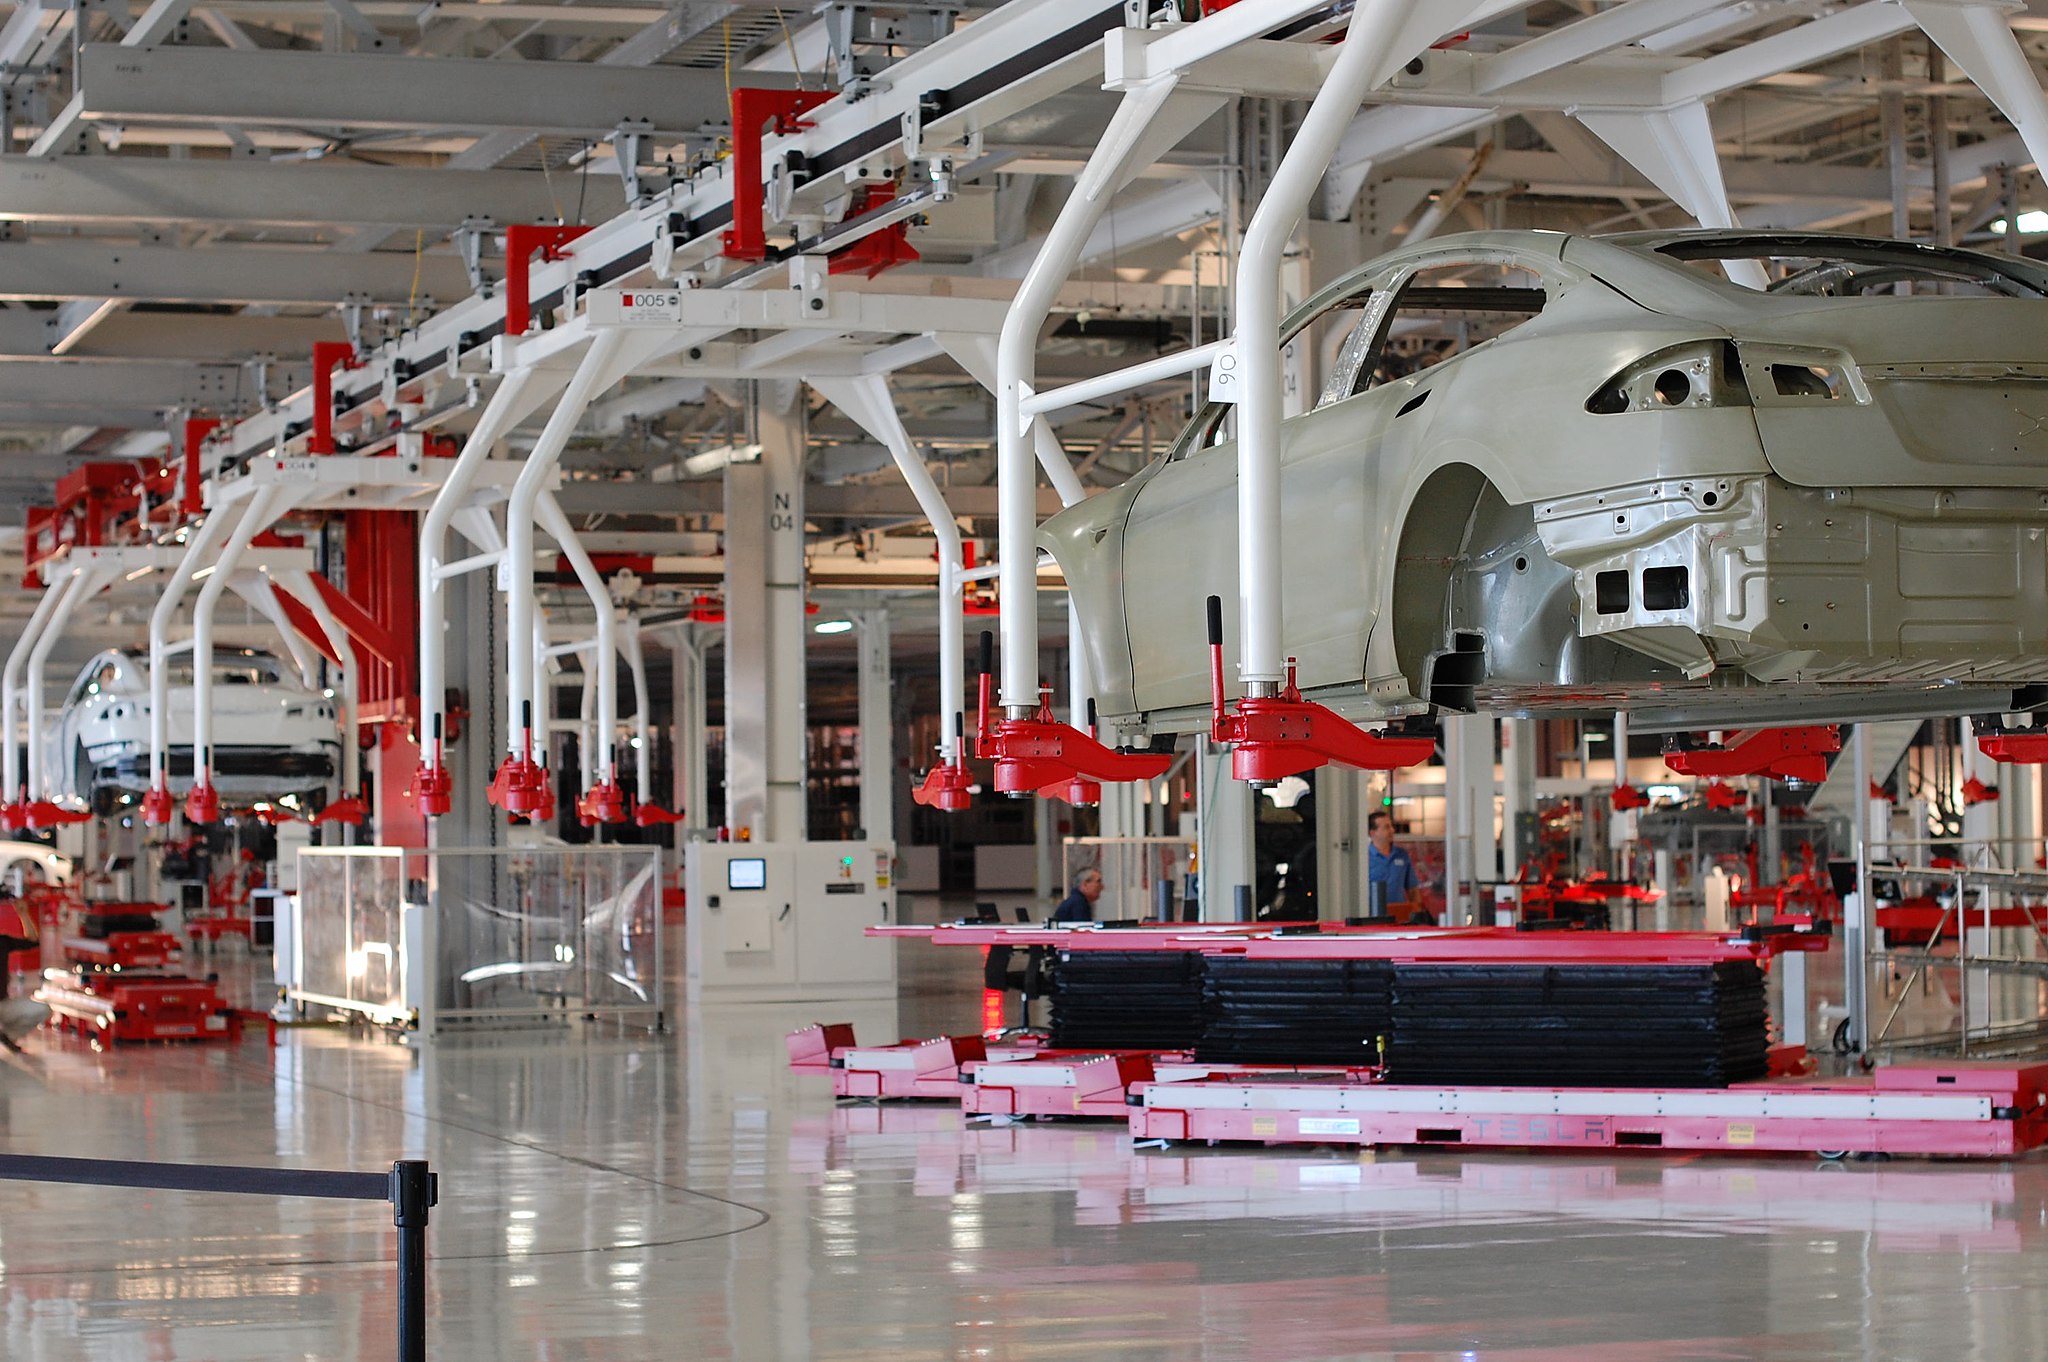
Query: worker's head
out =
(1380, 828)
(1089, 885)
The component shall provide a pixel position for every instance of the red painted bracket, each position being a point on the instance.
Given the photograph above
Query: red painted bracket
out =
(14, 816)
(604, 802)
(1040, 755)
(879, 250)
(348, 809)
(655, 816)
(1721, 796)
(1976, 791)
(44, 814)
(747, 238)
(202, 804)
(326, 355)
(521, 241)
(196, 431)
(1273, 737)
(2015, 746)
(948, 786)
(1781, 753)
(1623, 798)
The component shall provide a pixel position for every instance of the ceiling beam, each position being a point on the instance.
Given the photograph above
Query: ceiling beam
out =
(131, 385)
(377, 90)
(706, 496)
(167, 337)
(248, 275)
(127, 189)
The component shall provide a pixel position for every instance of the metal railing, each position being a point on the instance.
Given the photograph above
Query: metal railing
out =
(411, 1188)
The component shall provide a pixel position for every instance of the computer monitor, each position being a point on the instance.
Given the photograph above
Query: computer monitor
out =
(746, 872)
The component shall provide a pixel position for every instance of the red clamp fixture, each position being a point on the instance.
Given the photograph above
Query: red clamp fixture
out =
(433, 789)
(521, 785)
(879, 250)
(1276, 736)
(14, 816)
(654, 816)
(747, 238)
(326, 355)
(603, 802)
(948, 786)
(2014, 746)
(347, 809)
(202, 802)
(1977, 792)
(522, 239)
(158, 807)
(1040, 755)
(1624, 798)
(44, 814)
(1799, 754)
(1720, 796)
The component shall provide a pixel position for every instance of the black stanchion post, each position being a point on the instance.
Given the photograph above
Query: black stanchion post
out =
(413, 1192)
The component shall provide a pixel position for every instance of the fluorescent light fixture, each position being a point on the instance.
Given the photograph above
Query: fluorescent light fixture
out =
(2030, 223)
(718, 459)
(835, 627)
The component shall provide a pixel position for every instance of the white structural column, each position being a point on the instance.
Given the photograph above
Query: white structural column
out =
(1856, 922)
(601, 744)
(1674, 150)
(765, 710)
(687, 702)
(1224, 836)
(1340, 842)
(1977, 38)
(643, 736)
(877, 729)
(1517, 792)
(1468, 813)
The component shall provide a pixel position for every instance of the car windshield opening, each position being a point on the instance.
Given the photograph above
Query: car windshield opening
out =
(1825, 267)
(229, 669)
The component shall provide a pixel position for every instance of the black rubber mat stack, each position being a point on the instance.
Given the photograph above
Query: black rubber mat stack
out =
(1587, 1025)
(1294, 1011)
(1127, 1000)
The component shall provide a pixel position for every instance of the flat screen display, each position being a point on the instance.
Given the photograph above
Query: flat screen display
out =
(747, 872)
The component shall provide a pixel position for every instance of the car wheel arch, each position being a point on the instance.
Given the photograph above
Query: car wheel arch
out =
(1434, 524)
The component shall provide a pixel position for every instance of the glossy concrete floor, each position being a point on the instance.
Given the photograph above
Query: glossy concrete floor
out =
(612, 1196)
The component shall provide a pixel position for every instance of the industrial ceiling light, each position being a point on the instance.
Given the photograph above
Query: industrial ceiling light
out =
(720, 458)
(835, 627)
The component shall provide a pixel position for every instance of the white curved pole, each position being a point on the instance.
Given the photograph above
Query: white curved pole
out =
(198, 549)
(84, 582)
(606, 670)
(515, 398)
(1366, 58)
(261, 594)
(347, 691)
(586, 730)
(866, 399)
(14, 779)
(264, 507)
(643, 745)
(593, 375)
(1016, 499)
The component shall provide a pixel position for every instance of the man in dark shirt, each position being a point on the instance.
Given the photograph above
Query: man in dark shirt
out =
(1079, 906)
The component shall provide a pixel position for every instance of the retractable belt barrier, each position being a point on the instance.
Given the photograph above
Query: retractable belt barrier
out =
(411, 1188)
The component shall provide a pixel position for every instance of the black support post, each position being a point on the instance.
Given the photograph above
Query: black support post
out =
(413, 1192)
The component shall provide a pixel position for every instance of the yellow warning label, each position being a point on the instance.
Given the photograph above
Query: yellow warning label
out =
(1265, 1125)
(1741, 1134)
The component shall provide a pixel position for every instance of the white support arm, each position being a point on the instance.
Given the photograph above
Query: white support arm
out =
(643, 744)
(517, 395)
(303, 587)
(15, 778)
(1384, 35)
(84, 584)
(199, 550)
(868, 402)
(606, 670)
(264, 508)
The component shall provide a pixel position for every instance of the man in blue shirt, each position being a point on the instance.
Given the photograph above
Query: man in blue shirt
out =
(1387, 865)
(1079, 906)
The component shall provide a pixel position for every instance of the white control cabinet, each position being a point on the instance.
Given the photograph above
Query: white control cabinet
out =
(787, 921)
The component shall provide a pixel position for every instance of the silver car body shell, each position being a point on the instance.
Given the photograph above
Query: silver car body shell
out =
(1879, 551)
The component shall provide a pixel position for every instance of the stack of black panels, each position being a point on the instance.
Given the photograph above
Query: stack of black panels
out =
(1127, 1000)
(1579, 1025)
(1294, 1011)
